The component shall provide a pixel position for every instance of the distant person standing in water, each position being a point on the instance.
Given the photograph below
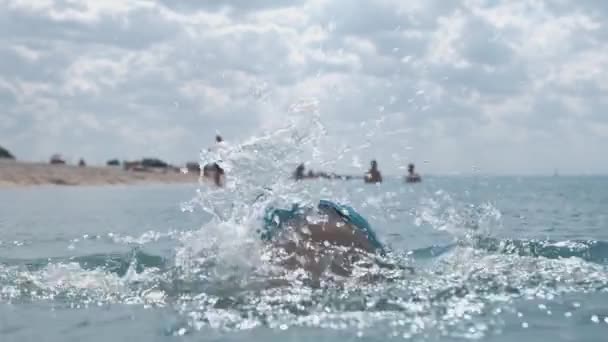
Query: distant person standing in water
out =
(373, 175)
(213, 171)
(412, 176)
(299, 173)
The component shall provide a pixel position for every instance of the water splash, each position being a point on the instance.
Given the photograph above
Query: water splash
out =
(259, 175)
(462, 220)
(462, 293)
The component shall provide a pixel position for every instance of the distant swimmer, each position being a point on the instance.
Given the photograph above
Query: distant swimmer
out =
(301, 174)
(373, 175)
(412, 176)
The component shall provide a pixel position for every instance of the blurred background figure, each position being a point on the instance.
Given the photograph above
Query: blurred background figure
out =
(299, 172)
(373, 175)
(57, 159)
(412, 176)
(213, 171)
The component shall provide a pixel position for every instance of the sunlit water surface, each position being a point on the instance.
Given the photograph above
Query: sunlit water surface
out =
(492, 258)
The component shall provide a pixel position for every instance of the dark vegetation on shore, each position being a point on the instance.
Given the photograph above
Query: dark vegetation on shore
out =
(5, 154)
(147, 164)
(144, 164)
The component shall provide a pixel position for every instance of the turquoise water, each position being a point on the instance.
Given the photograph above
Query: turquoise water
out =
(491, 258)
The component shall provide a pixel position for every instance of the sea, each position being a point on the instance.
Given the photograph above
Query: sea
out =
(489, 258)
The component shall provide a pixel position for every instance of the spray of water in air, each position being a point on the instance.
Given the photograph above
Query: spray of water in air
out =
(259, 175)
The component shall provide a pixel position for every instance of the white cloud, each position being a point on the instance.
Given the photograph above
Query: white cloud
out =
(500, 85)
(27, 53)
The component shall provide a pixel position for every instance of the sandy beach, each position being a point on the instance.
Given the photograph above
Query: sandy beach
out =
(17, 174)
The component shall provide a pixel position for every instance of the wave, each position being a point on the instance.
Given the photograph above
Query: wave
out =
(431, 251)
(594, 251)
(117, 263)
(137, 260)
(465, 279)
(589, 250)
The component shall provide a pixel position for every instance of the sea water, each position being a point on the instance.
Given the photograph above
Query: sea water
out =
(475, 257)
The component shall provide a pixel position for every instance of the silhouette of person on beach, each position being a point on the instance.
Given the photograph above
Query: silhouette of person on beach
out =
(373, 175)
(412, 176)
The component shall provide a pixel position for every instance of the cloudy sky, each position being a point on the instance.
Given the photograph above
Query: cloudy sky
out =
(494, 85)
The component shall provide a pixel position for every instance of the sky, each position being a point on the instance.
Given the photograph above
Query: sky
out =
(493, 86)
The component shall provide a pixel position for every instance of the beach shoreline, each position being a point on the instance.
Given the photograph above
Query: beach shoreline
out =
(14, 174)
